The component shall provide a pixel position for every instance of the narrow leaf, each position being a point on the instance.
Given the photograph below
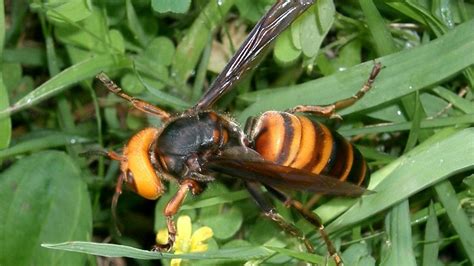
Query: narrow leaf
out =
(190, 48)
(70, 76)
(397, 224)
(381, 36)
(449, 153)
(51, 140)
(5, 123)
(112, 250)
(431, 244)
(304, 256)
(459, 220)
(441, 59)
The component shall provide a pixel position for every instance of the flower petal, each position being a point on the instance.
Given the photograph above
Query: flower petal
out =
(201, 235)
(175, 262)
(183, 234)
(162, 236)
(199, 248)
(184, 227)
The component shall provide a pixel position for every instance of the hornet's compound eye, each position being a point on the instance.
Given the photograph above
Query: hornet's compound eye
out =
(130, 181)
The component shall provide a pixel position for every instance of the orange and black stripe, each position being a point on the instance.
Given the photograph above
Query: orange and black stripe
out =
(298, 142)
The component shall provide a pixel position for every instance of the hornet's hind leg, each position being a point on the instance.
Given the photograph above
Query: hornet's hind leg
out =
(329, 111)
(256, 192)
(311, 217)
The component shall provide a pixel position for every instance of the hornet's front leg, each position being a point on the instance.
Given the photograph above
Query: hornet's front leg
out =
(137, 103)
(173, 207)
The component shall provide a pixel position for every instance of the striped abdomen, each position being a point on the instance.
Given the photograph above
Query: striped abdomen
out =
(298, 142)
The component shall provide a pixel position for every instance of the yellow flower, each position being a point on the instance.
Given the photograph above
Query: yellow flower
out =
(186, 241)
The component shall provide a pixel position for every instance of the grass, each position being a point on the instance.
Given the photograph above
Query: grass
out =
(414, 127)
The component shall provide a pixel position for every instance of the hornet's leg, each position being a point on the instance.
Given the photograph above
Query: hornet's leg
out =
(137, 103)
(269, 211)
(329, 111)
(311, 217)
(173, 207)
(122, 177)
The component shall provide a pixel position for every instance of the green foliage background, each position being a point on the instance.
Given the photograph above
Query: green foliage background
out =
(414, 127)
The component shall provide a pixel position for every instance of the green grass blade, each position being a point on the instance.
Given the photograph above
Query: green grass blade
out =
(189, 49)
(400, 246)
(427, 123)
(112, 250)
(415, 11)
(456, 214)
(463, 104)
(228, 197)
(164, 98)
(198, 85)
(71, 75)
(134, 25)
(304, 256)
(431, 245)
(51, 140)
(5, 123)
(404, 73)
(380, 34)
(415, 127)
(30, 56)
(439, 19)
(446, 150)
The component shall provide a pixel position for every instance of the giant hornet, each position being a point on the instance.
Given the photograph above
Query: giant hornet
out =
(276, 150)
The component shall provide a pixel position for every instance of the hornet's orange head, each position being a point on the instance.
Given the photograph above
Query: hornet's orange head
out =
(138, 168)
